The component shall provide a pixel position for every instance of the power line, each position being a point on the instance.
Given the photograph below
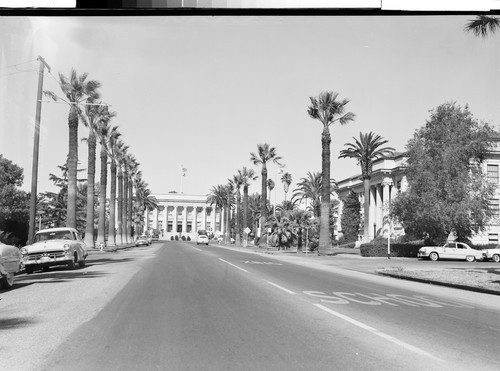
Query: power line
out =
(17, 64)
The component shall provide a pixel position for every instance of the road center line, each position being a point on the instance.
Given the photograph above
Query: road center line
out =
(241, 269)
(377, 332)
(196, 248)
(281, 288)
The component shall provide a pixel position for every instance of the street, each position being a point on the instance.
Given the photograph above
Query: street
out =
(211, 308)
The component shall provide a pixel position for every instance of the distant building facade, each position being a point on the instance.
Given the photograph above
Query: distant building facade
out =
(184, 215)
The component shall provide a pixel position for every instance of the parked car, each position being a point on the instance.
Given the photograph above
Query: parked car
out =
(10, 262)
(155, 237)
(54, 246)
(142, 241)
(148, 238)
(202, 238)
(492, 254)
(451, 250)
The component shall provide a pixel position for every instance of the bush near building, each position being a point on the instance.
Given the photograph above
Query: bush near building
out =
(378, 248)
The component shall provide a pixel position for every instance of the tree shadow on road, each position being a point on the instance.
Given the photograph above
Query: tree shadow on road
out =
(10, 323)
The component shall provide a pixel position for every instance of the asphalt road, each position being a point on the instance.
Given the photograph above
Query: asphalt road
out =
(211, 308)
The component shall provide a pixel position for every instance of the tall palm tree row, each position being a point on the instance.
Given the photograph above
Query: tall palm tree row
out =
(217, 197)
(115, 148)
(237, 182)
(366, 150)
(77, 90)
(265, 153)
(327, 109)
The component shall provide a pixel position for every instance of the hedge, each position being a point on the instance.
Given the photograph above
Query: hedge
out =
(378, 248)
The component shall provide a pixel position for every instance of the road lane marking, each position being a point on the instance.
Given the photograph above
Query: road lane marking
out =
(258, 262)
(241, 269)
(281, 288)
(196, 248)
(378, 333)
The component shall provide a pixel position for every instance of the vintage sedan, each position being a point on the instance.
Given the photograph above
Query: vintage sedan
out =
(451, 250)
(492, 254)
(54, 246)
(10, 261)
(142, 241)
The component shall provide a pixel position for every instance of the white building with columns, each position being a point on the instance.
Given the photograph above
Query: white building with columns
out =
(387, 180)
(184, 215)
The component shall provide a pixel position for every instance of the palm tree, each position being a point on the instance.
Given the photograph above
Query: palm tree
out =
(217, 196)
(286, 205)
(134, 174)
(94, 117)
(121, 158)
(366, 150)
(286, 179)
(247, 175)
(115, 148)
(254, 206)
(265, 154)
(328, 110)
(104, 132)
(310, 188)
(77, 91)
(237, 182)
(483, 25)
(282, 234)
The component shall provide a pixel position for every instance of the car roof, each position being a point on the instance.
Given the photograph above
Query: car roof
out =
(58, 229)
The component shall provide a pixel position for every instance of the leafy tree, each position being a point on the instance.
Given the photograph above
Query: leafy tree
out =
(327, 109)
(77, 90)
(366, 150)
(14, 204)
(351, 217)
(265, 153)
(447, 188)
(483, 25)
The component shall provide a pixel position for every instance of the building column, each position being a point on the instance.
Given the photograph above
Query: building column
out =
(204, 218)
(184, 219)
(386, 189)
(380, 207)
(372, 213)
(165, 221)
(155, 219)
(195, 219)
(174, 225)
(213, 220)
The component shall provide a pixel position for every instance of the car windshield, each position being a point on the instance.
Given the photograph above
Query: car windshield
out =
(59, 235)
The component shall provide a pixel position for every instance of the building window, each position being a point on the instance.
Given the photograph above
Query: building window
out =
(492, 171)
(493, 238)
(169, 226)
(495, 207)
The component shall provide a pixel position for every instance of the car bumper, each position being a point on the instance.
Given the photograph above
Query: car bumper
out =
(47, 261)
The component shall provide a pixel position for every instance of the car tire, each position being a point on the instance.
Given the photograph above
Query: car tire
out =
(206, 244)
(71, 264)
(28, 269)
(470, 258)
(434, 256)
(6, 282)
(82, 263)
(496, 258)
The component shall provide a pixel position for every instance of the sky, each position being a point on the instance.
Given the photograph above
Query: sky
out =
(201, 92)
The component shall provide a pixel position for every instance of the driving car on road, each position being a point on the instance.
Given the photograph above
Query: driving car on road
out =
(54, 246)
(202, 238)
(492, 254)
(451, 250)
(10, 260)
(142, 241)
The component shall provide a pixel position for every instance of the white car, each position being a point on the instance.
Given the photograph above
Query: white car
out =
(202, 238)
(451, 250)
(54, 246)
(492, 254)
(10, 260)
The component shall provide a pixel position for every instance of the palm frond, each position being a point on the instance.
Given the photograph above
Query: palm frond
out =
(483, 25)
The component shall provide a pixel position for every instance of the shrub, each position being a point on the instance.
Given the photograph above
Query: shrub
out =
(177, 238)
(378, 248)
(188, 238)
(183, 238)
(171, 238)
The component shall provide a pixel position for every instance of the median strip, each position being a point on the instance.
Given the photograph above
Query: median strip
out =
(231, 264)
(377, 332)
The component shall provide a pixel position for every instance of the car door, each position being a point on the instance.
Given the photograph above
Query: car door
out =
(450, 251)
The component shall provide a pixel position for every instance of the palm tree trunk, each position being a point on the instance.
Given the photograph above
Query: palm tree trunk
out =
(102, 198)
(124, 207)
(245, 212)
(112, 206)
(237, 237)
(89, 224)
(324, 231)
(129, 210)
(263, 208)
(121, 239)
(366, 209)
(72, 167)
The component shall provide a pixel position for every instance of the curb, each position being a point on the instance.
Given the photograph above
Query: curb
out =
(440, 283)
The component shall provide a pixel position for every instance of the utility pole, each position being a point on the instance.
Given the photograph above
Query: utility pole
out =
(34, 172)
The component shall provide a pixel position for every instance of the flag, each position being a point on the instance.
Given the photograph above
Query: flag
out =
(184, 171)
